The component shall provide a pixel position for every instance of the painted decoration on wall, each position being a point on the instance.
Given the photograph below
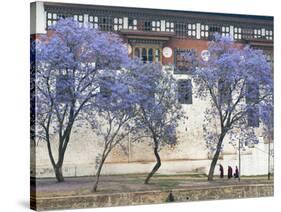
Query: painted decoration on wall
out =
(167, 52)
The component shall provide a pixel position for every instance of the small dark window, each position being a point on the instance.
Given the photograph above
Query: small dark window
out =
(213, 29)
(181, 30)
(64, 88)
(147, 26)
(132, 23)
(185, 91)
(144, 55)
(157, 55)
(137, 52)
(184, 63)
(252, 95)
(150, 55)
(105, 23)
(224, 92)
(105, 86)
(253, 117)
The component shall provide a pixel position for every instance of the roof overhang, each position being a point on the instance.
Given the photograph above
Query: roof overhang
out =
(148, 35)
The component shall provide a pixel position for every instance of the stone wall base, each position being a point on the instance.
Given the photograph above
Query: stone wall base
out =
(152, 197)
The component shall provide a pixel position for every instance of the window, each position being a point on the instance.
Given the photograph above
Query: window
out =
(79, 18)
(64, 85)
(137, 52)
(252, 94)
(51, 19)
(93, 21)
(144, 55)
(269, 58)
(184, 91)
(156, 25)
(132, 24)
(253, 117)
(150, 55)
(118, 23)
(213, 29)
(204, 31)
(181, 30)
(191, 30)
(237, 33)
(182, 62)
(169, 26)
(257, 33)
(157, 55)
(224, 92)
(225, 31)
(147, 54)
(147, 26)
(268, 34)
(105, 86)
(105, 23)
(247, 33)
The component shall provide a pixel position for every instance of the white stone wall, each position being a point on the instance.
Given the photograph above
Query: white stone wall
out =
(189, 155)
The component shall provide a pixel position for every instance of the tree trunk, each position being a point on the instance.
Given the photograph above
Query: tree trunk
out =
(98, 175)
(215, 159)
(157, 165)
(58, 173)
(57, 167)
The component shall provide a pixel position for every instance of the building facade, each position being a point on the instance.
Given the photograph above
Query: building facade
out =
(158, 36)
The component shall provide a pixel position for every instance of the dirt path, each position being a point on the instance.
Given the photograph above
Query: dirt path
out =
(130, 183)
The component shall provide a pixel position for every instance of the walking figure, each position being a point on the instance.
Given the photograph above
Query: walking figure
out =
(229, 172)
(221, 171)
(236, 173)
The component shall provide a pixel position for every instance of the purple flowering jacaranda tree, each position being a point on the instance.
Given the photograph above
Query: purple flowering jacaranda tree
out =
(158, 110)
(112, 117)
(238, 81)
(67, 63)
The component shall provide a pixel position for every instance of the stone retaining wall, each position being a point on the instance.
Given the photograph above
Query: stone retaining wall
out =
(153, 197)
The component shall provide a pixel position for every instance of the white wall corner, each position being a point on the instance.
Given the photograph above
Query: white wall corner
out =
(37, 18)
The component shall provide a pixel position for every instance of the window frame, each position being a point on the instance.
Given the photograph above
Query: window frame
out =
(184, 85)
(180, 51)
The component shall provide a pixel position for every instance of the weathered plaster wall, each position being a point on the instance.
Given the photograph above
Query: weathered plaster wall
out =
(189, 155)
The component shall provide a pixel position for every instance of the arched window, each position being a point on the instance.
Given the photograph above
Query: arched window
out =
(144, 55)
(147, 54)
(150, 55)
(137, 52)
(157, 55)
